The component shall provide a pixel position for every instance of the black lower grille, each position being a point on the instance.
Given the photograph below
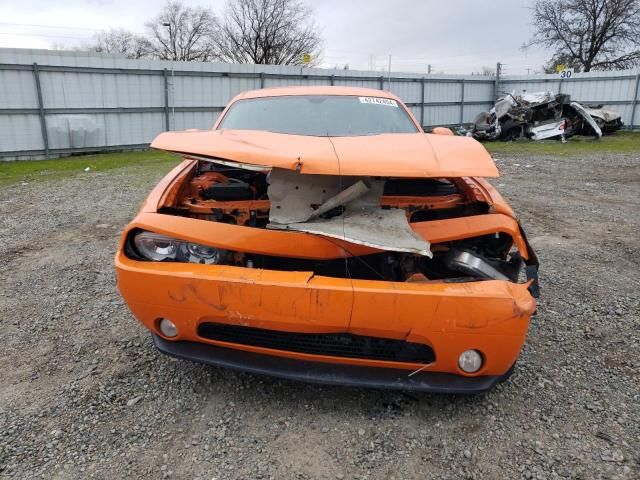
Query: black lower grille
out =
(333, 344)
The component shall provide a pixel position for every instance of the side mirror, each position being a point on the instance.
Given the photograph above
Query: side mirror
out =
(442, 131)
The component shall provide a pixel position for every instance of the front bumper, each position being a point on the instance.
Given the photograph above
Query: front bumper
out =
(323, 373)
(489, 316)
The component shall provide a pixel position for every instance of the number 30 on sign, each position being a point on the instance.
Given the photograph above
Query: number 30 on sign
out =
(564, 72)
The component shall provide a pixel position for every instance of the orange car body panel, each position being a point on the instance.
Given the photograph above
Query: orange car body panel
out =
(439, 231)
(414, 154)
(490, 316)
(305, 245)
(437, 314)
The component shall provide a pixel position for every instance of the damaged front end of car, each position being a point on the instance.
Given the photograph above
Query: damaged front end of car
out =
(390, 229)
(305, 270)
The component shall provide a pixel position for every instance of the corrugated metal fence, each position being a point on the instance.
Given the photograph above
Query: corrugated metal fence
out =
(55, 103)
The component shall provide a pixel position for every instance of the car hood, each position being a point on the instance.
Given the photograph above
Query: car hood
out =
(385, 155)
(606, 114)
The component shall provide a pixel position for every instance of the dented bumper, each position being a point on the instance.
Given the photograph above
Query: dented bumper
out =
(489, 316)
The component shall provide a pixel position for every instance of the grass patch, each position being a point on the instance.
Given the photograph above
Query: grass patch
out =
(619, 142)
(35, 170)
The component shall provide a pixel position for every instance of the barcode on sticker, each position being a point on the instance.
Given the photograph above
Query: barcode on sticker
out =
(379, 101)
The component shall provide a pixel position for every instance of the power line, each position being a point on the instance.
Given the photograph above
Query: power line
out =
(59, 27)
(44, 26)
(51, 35)
(43, 35)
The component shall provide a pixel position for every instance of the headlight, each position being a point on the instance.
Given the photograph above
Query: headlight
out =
(167, 327)
(157, 247)
(470, 361)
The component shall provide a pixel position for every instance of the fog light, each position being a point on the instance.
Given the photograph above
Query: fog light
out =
(470, 361)
(167, 328)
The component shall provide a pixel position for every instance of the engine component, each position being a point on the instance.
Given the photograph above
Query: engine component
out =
(232, 189)
(420, 187)
(472, 264)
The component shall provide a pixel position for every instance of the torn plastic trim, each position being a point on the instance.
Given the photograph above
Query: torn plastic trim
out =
(532, 276)
(532, 265)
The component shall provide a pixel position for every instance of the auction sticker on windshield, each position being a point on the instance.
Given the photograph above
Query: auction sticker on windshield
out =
(379, 101)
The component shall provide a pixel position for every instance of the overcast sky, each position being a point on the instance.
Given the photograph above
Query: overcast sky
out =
(453, 36)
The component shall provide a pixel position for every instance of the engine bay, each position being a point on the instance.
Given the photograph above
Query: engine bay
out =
(238, 196)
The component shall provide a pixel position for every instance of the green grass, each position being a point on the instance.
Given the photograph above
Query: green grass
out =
(619, 142)
(36, 170)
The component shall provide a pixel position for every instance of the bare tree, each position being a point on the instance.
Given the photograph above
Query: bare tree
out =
(183, 33)
(119, 40)
(562, 59)
(589, 34)
(277, 32)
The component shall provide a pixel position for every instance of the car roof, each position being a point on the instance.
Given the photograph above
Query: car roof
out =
(315, 90)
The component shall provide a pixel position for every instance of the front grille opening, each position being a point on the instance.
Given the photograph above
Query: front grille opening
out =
(333, 344)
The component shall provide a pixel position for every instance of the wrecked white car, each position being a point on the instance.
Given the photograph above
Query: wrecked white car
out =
(543, 115)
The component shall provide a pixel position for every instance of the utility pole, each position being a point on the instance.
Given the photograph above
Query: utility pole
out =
(173, 77)
(496, 85)
(389, 71)
(429, 69)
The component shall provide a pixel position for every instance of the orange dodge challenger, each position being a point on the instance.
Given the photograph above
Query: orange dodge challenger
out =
(318, 234)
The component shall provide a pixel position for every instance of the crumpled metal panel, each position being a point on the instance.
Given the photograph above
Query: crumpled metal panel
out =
(587, 117)
(373, 227)
(296, 200)
(292, 194)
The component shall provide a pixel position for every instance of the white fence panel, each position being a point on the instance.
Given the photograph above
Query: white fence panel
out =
(55, 103)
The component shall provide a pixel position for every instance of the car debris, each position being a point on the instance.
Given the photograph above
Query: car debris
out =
(349, 212)
(540, 116)
(608, 119)
(318, 234)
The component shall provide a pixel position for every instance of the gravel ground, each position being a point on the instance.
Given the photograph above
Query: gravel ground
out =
(84, 393)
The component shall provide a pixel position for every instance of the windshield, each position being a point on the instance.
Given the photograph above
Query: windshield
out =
(319, 115)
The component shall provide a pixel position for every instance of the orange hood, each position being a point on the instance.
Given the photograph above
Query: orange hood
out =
(386, 155)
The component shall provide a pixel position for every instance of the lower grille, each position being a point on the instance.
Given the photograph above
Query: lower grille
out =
(333, 344)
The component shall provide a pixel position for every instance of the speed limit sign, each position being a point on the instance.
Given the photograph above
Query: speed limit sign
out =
(566, 73)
